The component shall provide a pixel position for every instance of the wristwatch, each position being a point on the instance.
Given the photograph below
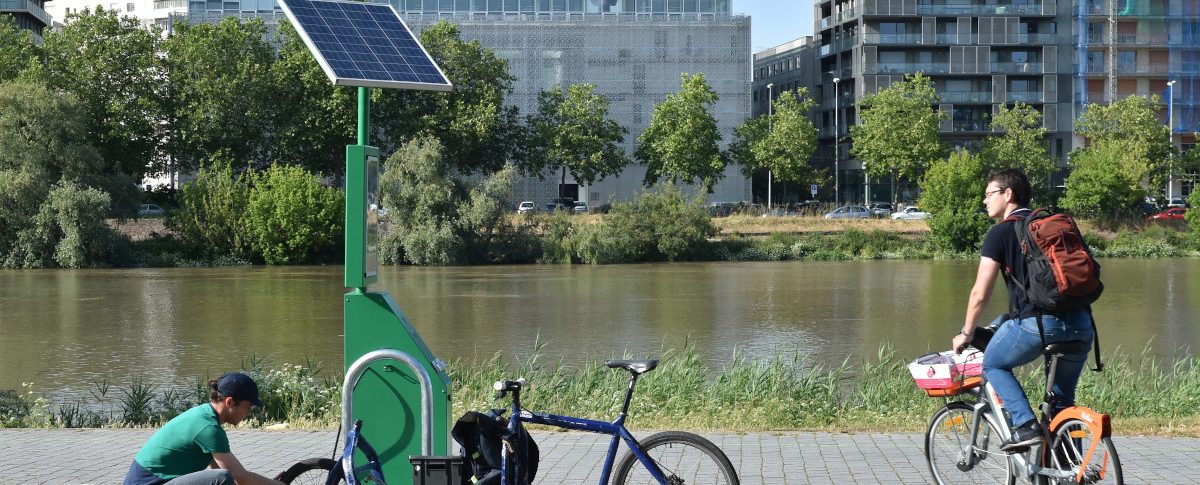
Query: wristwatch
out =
(966, 333)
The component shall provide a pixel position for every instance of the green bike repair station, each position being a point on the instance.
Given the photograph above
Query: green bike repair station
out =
(393, 383)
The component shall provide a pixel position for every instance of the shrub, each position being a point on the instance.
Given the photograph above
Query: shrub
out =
(292, 218)
(557, 237)
(652, 227)
(958, 230)
(211, 208)
(1193, 218)
(68, 229)
(951, 192)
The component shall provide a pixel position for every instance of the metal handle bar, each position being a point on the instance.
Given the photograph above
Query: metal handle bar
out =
(359, 366)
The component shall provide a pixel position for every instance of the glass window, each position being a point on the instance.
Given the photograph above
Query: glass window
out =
(462, 5)
(674, 6)
(129, 7)
(446, 6)
(707, 6)
(689, 6)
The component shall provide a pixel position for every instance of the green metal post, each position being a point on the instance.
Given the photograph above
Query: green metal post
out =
(364, 115)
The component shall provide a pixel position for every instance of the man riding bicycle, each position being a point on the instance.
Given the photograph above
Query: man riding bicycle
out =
(1018, 340)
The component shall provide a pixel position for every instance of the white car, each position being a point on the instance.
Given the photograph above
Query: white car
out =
(150, 210)
(910, 214)
(525, 207)
(581, 207)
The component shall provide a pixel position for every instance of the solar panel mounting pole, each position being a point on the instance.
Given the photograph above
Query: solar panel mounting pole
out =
(367, 45)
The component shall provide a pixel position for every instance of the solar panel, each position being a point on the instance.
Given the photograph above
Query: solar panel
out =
(364, 44)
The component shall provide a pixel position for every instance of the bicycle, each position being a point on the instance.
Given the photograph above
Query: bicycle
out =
(331, 472)
(965, 437)
(667, 458)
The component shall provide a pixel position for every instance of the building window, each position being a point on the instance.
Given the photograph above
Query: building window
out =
(129, 7)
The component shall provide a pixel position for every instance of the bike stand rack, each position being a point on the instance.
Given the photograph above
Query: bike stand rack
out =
(359, 366)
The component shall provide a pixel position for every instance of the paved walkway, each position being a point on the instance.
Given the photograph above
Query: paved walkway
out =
(103, 456)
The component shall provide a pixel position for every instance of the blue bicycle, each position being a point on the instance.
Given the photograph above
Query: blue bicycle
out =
(326, 471)
(667, 458)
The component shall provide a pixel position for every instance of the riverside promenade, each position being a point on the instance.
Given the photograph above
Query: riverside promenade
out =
(102, 456)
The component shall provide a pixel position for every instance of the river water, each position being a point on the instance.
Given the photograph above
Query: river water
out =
(64, 329)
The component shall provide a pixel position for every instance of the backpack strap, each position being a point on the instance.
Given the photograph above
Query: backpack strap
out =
(1095, 342)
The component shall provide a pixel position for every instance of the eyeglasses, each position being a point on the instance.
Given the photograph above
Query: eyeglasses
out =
(988, 195)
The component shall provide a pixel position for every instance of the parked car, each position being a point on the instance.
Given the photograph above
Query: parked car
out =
(1174, 213)
(525, 207)
(881, 209)
(910, 213)
(1176, 202)
(848, 212)
(556, 207)
(581, 207)
(150, 210)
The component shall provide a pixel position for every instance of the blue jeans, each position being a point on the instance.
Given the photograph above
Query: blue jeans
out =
(1016, 343)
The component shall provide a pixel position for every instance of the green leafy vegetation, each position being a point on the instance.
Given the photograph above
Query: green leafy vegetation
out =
(681, 142)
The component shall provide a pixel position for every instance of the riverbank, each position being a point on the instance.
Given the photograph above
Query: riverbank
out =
(750, 238)
(781, 392)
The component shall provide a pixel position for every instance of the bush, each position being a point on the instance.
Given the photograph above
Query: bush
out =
(67, 230)
(652, 227)
(958, 230)
(292, 218)
(557, 239)
(1193, 218)
(211, 208)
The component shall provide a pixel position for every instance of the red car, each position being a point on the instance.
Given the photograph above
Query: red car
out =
(1170, 214)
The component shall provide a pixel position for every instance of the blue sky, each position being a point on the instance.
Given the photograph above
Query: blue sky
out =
(773, 22)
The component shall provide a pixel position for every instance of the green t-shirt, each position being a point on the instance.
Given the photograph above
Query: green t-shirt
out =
(185, 445)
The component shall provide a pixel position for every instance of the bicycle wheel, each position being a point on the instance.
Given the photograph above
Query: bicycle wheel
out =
(313, 471)
(1071, 441)
(683, 457)
(946, 446)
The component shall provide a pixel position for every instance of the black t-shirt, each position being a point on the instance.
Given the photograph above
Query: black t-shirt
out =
(1001, 245)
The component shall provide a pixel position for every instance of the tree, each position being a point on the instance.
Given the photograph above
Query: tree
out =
(572, 132)
(1132, 127)
(951, 191)
(1098, 186)
(782, 142)
(1021, 146)
(472, 123)
(221, 92)
(112, 66)
(682, 140)
(212, 208)
(320, 119)
(897, 131)
(291, 218)
(17, 48)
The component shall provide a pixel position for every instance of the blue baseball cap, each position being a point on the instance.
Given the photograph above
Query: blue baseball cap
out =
(239, 386)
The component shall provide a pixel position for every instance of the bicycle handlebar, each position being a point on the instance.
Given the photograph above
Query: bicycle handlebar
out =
(504, 386)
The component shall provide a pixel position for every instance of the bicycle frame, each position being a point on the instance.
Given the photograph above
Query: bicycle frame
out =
(988, 403)
(616, 429)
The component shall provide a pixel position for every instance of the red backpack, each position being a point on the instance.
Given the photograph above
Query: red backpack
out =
(1060, 273)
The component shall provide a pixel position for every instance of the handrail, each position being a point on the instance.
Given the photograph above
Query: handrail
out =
(355, 371)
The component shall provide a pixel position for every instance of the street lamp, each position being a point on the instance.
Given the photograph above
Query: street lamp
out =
(837, 93)
(770, 113)
(1171, 133)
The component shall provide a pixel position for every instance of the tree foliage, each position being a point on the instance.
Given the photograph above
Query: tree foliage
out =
(782, 142)
(897, 130)
(662, 226)
(435, 219)
(472, 123)
(951, 191)
(17, 48)
(572, 132)
(209, 219)
(1022, 145)
(112, 65)
(1127, 151)
(222, 96)
(1099, 186)
(681, 142)
(292, 218)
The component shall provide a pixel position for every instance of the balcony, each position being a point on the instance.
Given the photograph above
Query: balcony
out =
(1017, 67)
(1092, 97)
(912, 67)
(1026, 96)
(965, 96)
(26, 6)
(165, 4)
(972, 9)
(891, 38)
(1036, 39)
(970, 126)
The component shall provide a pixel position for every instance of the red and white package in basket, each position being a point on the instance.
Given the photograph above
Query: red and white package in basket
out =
(942, 369)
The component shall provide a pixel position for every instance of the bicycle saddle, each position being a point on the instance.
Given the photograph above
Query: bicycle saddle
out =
(1066, 348)
(637, 367)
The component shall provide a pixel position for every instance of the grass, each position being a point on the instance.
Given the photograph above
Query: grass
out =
(783, 391)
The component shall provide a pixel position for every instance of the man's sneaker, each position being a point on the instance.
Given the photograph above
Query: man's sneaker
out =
(1023, 437)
